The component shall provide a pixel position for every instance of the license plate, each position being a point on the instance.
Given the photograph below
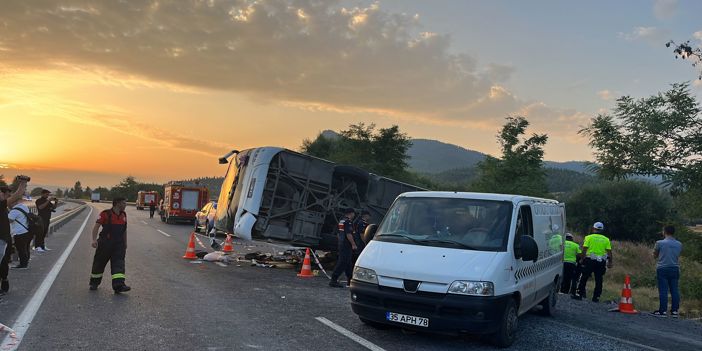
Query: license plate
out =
(403, 318)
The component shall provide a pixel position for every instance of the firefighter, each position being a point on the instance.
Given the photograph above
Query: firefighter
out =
(359, 227)
(597, 253)
(571, 272)
(152, 209)
(347, 246)
(110, 246)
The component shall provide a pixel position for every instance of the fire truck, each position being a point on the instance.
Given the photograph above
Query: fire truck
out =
(145, 198)
(181, 202)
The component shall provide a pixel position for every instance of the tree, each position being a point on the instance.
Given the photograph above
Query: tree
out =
(631, 210)
(71, 194)
(77, 190)
(127, 188)
(686, 52)
(382, 152)
(59, 193)
(2, 180)
(658, 135)
(87, 192)
(520, 170)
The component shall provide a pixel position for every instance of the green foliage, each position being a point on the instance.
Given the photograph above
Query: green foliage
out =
(658, 135)
(692, 243)
(689, 203)
(382, 152)
(59, 193)
(566, 181)
(520, 170)
(77, 191)
(631, 210)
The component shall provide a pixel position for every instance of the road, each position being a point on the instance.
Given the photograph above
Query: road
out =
(178, 304)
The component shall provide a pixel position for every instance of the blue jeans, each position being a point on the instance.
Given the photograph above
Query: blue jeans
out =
(668, 278)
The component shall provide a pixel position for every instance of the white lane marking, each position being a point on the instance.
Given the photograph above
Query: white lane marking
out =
(25, 319)
(609, 337)
(144, 222)
(367, 344)
(164, 233)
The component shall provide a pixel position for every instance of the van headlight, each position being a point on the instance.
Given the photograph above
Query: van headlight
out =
(466, 287)
(365, 275)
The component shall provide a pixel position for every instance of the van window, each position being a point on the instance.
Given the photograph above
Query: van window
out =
(524, 222)
(453, 222)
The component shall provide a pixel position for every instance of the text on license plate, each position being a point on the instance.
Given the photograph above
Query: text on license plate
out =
(403, 318)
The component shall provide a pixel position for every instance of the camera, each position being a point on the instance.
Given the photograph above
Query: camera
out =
(24, 178)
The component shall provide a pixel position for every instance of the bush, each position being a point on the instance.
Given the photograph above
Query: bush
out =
(630, 210)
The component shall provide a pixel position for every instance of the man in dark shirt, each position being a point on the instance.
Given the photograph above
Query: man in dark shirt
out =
(7, 199)
(45, 206)
(111, 246)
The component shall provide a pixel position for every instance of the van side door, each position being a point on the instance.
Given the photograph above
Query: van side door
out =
(524, 274)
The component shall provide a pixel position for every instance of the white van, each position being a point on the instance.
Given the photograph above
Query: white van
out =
(455, 262)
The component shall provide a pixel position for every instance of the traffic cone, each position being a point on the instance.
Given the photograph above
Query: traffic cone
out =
(306, 271)
(190, 251)
(626, 304)
(228, 244)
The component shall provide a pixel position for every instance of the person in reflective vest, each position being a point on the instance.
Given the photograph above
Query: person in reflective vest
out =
(110, 246)
(347, 246)
(597, 251)
(571, 271)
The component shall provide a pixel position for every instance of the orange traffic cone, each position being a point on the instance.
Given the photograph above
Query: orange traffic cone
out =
(190, 251)
(626, 304)
(228, 244)
(306, 271)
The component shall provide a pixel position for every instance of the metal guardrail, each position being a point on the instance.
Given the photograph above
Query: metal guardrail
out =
(63, 218)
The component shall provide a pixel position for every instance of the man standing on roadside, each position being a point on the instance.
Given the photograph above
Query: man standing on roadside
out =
(347, 246)
(7, 199)
(597, 252)
(667, 252)
(110, 246)
(44, 207)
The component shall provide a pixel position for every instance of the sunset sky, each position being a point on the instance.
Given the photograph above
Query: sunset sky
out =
(97, 90)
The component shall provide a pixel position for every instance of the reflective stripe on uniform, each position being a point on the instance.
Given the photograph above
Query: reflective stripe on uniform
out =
(118, 276)
(93, 275)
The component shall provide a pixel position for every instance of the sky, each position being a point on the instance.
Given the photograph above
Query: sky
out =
(98, 90)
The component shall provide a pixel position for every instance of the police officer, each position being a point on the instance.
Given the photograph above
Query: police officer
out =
(111, 246)
(359, 227)
(597, 258)
(347, 245)
(571, 255)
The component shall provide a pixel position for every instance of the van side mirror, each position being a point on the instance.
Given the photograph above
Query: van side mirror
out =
(369, 233)
(529, 250)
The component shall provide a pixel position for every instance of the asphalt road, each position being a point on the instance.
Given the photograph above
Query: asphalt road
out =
(178, 304)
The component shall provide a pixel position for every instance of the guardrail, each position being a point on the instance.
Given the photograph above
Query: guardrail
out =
(63, 218)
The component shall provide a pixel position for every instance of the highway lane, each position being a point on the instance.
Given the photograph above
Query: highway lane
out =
(177, 304)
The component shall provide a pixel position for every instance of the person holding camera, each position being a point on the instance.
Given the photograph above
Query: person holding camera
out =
(45, 205)
(8, 199)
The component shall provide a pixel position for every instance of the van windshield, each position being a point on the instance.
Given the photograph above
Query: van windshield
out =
(456, 223)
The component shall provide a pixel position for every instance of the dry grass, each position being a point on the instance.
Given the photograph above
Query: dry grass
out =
(636, 260)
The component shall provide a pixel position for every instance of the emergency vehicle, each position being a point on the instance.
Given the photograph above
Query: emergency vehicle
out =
(144, 198)
(452, 262)
(181, 203)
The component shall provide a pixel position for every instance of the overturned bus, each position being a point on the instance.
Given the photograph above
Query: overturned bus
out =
(271, 193)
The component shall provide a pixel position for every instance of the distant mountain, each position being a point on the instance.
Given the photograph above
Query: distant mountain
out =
(433, 156)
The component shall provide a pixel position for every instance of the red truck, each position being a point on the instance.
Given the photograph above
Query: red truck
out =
(181, 203)
(145, 198)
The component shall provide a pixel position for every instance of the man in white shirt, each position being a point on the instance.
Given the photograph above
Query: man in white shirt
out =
(19, 227)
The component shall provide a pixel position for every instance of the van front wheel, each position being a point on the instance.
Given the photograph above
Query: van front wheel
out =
(508, 329)
(548, 305)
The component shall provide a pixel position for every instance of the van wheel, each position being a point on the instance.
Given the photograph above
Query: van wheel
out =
(374, 324)
(508, 328)
(548, 305)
